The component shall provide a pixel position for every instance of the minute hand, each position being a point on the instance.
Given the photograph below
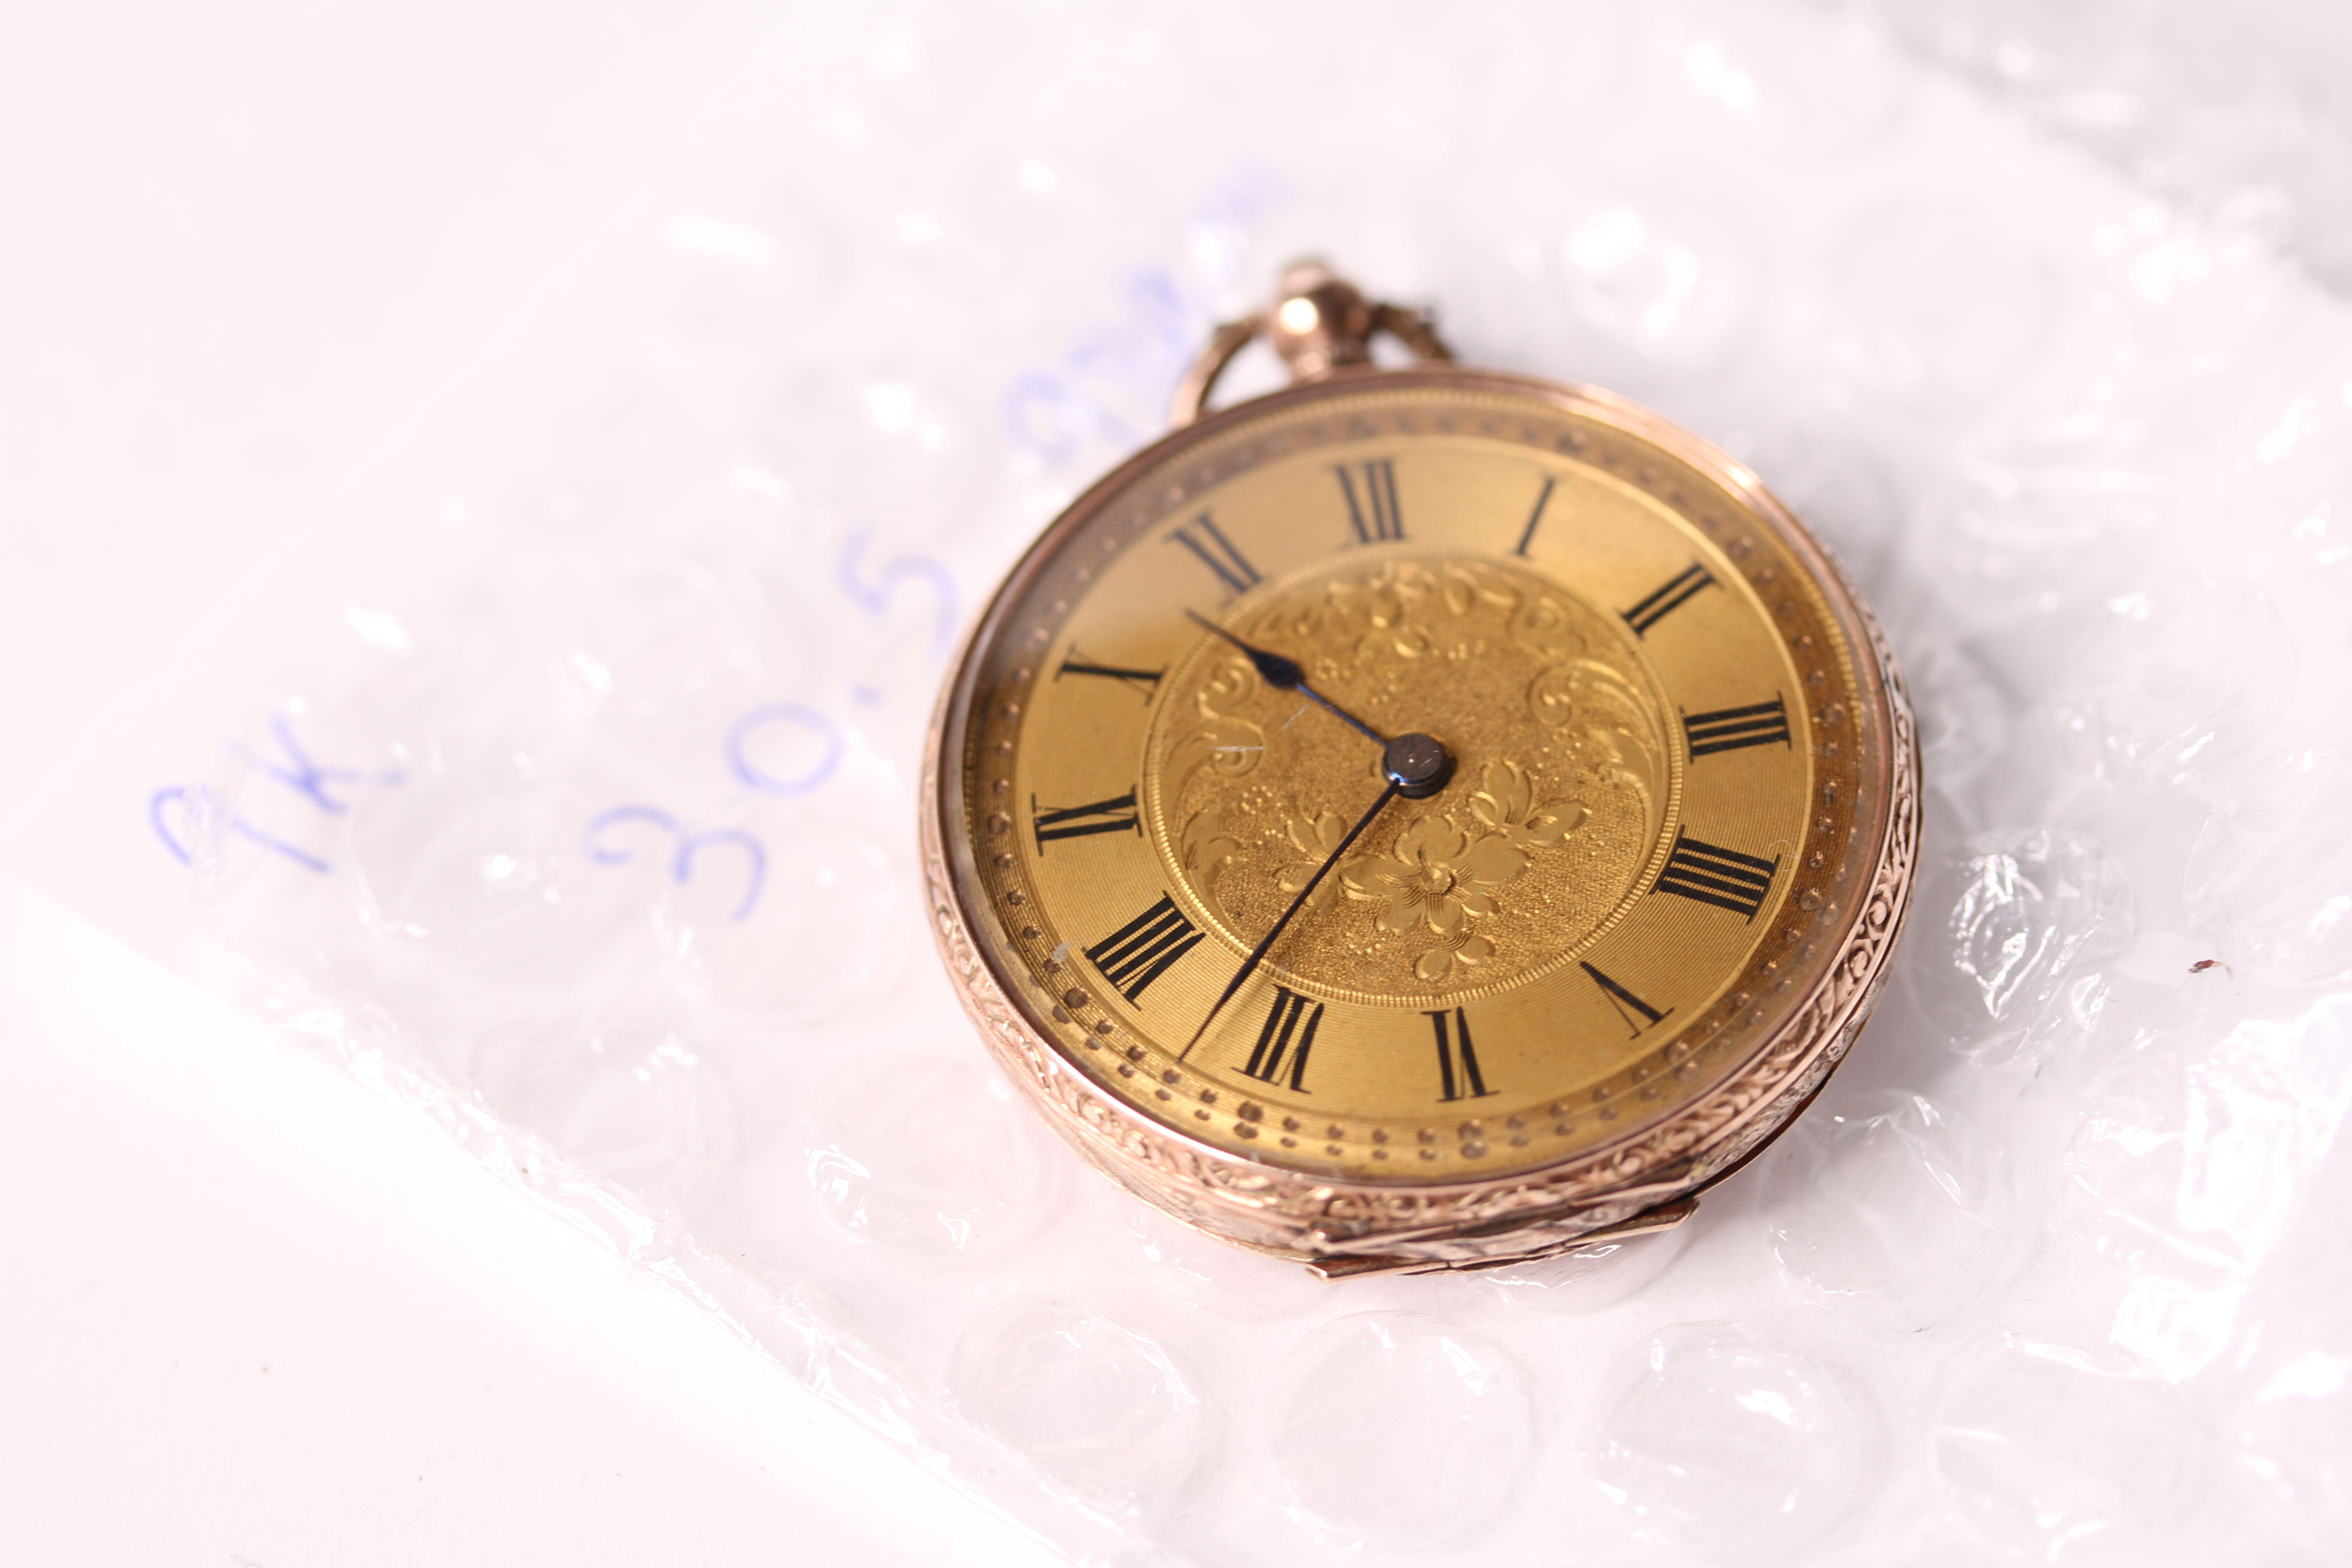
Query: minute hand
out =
(1417, 768)
(1266, 944)
(1284, 675)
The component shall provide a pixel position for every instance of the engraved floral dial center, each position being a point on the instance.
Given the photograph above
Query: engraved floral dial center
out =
(1518, 837)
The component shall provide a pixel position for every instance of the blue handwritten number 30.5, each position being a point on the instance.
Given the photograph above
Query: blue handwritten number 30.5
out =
(603, 839)
(745, 758)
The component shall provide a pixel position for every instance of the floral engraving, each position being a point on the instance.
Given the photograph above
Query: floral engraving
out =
(1548, 710)
(1506, 805)
(1317, 838)
(1206, 846)
(1440, 877)
(1225, 747)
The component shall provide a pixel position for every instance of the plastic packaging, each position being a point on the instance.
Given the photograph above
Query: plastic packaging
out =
(577, 810)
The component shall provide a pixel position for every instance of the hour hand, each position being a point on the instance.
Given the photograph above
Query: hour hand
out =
(1284, 674)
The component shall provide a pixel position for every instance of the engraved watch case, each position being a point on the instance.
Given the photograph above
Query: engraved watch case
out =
(1631, 831)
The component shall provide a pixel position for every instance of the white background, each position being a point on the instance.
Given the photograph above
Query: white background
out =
(248, 1313)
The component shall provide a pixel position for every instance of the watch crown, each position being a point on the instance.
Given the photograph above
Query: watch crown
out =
(1320, 321)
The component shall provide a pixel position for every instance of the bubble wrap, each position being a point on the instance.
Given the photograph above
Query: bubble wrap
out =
(574, 806)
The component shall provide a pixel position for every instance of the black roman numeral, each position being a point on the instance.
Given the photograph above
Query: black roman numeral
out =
(1140, 952)
(1375, 518)
(1729, 729)
(1288, 1037)
(1668, 598)
(1205, 539)
(1543, 498)
(1077, 821)
(1714, 875)
(1622, 999)
(1147, 681)
(1457, 1064)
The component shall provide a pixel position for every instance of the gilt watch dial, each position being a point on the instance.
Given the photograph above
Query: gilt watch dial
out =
(1649, 711)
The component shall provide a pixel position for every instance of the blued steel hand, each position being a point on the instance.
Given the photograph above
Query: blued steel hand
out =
(1417, 766)
(1257, 954)
(1284, 675)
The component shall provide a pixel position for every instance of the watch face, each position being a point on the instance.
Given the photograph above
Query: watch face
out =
(1666, 744)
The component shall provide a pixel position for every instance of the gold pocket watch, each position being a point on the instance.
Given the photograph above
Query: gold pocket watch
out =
(1419, 818)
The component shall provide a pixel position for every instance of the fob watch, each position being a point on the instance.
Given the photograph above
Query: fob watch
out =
(1421, 818)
